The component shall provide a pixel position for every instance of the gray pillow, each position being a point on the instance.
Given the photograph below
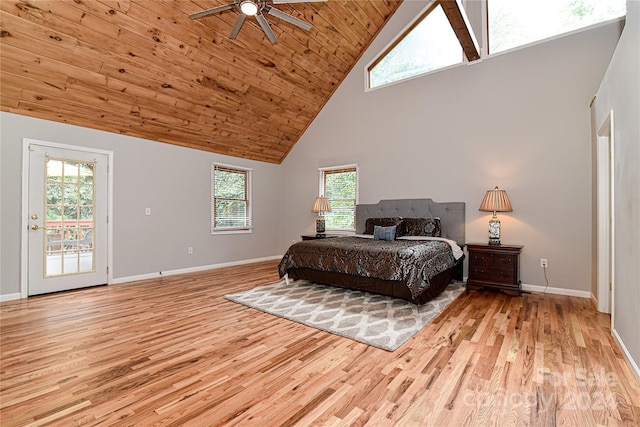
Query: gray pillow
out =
(382, 222)
(384, 233)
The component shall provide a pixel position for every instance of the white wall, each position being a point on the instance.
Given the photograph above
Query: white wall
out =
(173, 181)
(620, 92)
(519, 120)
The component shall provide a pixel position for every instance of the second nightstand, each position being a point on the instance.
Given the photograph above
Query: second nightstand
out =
(317, 236)
(494, 266)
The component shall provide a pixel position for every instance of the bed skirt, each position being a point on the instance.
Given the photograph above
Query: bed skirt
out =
(396, 289)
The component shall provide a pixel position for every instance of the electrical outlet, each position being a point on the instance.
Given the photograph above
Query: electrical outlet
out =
(543, 263)
(190, 250)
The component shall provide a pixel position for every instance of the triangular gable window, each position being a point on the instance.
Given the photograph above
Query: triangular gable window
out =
(429, 43)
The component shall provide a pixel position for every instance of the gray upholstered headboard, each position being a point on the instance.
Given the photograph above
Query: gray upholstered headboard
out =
(451, 214)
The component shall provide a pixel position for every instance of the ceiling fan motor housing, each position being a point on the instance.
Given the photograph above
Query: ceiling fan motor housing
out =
(255, 8)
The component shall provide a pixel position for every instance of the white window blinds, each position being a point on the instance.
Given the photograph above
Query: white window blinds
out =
(231, 199)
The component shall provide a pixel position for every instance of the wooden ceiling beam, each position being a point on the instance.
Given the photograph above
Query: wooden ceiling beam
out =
(458, 19)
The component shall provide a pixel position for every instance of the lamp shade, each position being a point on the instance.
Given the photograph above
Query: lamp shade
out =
(496, 201)
(321, 205)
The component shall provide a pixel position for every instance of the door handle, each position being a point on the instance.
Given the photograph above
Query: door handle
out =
(34, 227)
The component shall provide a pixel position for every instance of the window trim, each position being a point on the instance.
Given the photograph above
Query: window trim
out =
(552, 38)
(249, 200)
(321, 188)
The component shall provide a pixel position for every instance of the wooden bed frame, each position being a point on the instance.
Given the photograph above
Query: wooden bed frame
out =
(452, 220)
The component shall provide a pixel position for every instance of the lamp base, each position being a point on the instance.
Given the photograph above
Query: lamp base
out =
(320, 226)
(494, 230)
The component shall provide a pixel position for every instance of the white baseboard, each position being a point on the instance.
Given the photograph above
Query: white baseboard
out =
(632, 363)
(594, 300)
(557, 291)
(9, 297)
(191, 270)
(525, 287)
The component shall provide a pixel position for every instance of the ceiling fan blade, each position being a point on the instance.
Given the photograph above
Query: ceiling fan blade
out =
(237, 26)
(296, 1)
(212, 11)
(286, 17)
(266, 28)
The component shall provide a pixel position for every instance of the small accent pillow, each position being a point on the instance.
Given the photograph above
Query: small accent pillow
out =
(384, 233)
(421, 227)
(382, 222)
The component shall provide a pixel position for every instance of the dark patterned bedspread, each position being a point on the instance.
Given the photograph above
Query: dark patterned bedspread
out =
(410, 261)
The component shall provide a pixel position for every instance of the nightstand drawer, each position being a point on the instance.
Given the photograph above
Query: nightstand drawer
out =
(487, 273)
(498, 260)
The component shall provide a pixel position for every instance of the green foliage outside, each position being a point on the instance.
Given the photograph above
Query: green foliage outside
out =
(230, 202)
(341, 191)
(514, 23)
(432, 44)
(70, 194)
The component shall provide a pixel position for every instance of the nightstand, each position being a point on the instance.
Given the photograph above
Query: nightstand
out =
(317, 236)
(494, 266)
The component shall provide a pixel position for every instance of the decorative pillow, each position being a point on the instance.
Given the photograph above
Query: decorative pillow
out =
(421, 227)
(382, 222)
(384, 233)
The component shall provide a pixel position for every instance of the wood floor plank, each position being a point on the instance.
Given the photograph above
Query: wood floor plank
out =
(173, 351)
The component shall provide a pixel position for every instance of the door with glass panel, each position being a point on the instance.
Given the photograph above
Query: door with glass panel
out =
(67, 225)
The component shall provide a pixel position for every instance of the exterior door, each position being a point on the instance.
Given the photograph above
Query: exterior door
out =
(67, 224)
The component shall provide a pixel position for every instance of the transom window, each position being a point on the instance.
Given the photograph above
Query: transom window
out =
(339, 185)
(513, 23)
(231, 199)
(429, 43)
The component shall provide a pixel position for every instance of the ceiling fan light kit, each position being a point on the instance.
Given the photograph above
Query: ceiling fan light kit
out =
(255, 8)
(249, 8)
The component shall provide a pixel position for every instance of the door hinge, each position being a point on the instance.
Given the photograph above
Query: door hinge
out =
(107, 269)
(610, 287)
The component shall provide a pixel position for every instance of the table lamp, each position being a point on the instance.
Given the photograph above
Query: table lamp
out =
(320, 206)
(495, 201)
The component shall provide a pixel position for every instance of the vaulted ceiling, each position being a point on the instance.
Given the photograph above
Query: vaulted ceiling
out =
(144, 68)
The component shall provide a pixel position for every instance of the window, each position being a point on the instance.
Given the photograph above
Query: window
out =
(429, 43)
(231, 199)
(514, 23)
(339, 185)
(435, 39)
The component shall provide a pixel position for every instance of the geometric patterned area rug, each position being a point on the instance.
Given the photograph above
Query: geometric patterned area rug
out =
(376, 320)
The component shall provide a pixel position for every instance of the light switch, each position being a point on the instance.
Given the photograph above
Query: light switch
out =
(147, 211)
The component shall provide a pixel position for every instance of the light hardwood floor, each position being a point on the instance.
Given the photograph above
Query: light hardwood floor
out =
(172, 351)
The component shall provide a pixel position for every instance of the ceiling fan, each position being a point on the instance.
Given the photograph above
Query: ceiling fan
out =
(255, 8)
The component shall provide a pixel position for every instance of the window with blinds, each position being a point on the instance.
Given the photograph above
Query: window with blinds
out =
(231, 199)
(339, 184)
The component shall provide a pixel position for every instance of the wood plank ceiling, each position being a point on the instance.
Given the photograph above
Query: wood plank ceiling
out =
(144, 68)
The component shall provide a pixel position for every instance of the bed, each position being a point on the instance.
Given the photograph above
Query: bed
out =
(413, 268)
